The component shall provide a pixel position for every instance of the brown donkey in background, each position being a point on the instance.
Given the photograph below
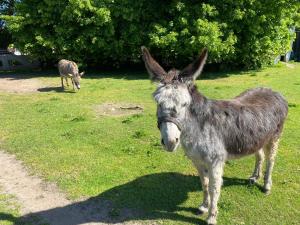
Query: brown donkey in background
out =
(213, 131)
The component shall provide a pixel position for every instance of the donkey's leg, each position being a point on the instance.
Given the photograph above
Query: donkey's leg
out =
(73, 85)
(67, 81)
(270, 150)
(215, 183)
(203, 174)
(203, 208)
(259, 159)
(62, 82)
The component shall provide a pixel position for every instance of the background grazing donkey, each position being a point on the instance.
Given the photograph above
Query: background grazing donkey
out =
(69, 69)
(213, 131)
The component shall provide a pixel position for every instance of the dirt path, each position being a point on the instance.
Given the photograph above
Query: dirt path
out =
(19, 85)
(45, 203)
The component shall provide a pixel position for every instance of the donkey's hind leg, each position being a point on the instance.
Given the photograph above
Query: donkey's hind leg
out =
(270, 151)
(62, 82)
(259, 159)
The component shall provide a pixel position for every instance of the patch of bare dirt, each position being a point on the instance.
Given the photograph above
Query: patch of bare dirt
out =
(19, 85)
(42, 202)
(118, 109)
(289, 65)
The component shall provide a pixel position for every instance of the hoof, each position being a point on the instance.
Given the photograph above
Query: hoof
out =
(199, 212)
(267, 192)
(252, 180)
(211, 221)
(267, 188)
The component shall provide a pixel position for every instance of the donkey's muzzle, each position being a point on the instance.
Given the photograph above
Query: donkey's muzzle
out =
(170, 145)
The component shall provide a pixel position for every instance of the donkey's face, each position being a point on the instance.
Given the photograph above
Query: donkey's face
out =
(172, 102)
(172, 96)
(76, 79)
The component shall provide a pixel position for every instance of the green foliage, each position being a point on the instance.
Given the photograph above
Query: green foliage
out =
(6, 8)
(107, 32)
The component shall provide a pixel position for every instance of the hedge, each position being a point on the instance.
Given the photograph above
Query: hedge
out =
(247, 33)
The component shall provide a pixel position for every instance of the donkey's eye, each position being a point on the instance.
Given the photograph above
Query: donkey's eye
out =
(184, 104)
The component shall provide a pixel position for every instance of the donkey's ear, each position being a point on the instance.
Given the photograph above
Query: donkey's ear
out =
(70, 75)
(156, 72)
(82, 73)
(193, 70)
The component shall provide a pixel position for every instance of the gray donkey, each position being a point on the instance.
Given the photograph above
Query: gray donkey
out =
(214, 131)
(69, 69)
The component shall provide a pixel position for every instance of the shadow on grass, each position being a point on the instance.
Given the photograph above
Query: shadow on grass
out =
(55, 89)
(151, 197)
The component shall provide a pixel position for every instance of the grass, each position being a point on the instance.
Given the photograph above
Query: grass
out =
(58, 135)
(9, 211)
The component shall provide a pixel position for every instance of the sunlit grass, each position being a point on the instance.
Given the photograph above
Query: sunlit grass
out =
(59, 136)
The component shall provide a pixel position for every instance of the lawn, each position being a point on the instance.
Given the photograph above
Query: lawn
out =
(60, 137)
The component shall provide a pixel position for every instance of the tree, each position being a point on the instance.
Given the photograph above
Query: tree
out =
(6, 8)
(248, 33)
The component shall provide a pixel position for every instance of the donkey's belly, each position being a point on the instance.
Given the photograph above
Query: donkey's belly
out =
(236, 156)
(239, 153)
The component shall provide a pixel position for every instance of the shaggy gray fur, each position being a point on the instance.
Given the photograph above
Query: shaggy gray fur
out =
(213, 131)
(69, 69)
(244, 124)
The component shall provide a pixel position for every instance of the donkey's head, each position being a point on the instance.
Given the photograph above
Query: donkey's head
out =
(172, 96)
(76, 79)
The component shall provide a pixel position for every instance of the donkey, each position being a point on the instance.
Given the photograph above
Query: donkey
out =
(214, 131)
(69, 69)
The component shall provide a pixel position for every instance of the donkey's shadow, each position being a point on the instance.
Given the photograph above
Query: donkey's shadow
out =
(151, 197)
(55, 89)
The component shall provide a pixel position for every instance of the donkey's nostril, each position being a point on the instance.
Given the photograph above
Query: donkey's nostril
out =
(177, 140)
(162, 142)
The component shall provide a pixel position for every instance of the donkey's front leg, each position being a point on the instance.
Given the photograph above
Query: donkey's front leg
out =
(62, 82)
(67, 81)
(203, 174)
(215, 182)
(73, 84)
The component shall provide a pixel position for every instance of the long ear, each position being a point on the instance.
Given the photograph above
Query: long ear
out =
(156, 72)
(82, 73)
(70, 75)
(193, 70)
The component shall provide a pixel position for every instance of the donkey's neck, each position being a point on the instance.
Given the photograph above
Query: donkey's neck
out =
(199, 108)
(200, 112)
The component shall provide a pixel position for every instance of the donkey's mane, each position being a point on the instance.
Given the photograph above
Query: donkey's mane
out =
(246, 122)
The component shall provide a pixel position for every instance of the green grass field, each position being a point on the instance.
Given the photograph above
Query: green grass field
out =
(60, 137)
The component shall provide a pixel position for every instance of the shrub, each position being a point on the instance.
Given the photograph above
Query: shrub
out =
(250, 33)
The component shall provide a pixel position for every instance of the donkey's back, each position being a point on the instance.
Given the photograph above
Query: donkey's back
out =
(253, 119)
(66, 67)
(262, 97)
